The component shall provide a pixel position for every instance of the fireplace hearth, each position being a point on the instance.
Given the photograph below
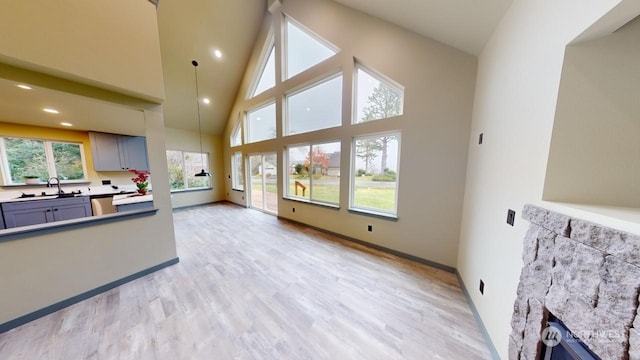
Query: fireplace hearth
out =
(587, 276)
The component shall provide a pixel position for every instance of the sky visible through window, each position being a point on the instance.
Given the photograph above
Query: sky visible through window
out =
(303, 50)
(315, 108)
(268, 76)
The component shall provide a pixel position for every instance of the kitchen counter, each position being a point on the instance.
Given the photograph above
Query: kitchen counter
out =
(132, 202)
(93, 192)
(131, 199)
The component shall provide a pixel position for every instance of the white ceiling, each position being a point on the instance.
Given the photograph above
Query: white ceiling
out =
(462, 24)
(193, 29)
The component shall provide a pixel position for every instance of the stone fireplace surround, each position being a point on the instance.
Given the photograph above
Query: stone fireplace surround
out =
(585, 274)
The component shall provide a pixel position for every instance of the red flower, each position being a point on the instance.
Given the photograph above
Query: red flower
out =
(141, 178)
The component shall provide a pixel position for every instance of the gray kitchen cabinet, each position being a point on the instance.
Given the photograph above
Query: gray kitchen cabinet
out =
(23, 213)
(112, 152)
(1, 221)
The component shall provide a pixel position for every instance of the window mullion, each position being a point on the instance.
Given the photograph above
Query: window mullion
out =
(184, 171)
(4, 163)
(51, 163)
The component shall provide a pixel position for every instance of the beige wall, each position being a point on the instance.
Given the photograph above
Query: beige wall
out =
(438, 83)
(178, 139)
(595, 149)
(112, 45)
(40, 270)
(515, 103)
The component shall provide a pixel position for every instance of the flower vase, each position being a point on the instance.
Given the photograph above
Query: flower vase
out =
(142, 191)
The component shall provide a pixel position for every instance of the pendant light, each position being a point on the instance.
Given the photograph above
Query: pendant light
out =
(195, 70)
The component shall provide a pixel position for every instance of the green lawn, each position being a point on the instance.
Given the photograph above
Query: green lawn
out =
(367, 196)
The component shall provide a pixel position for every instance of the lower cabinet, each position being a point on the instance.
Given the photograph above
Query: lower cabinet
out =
(45, 211)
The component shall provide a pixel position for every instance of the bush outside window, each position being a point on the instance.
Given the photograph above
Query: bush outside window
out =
(24, 158)
(375, 176)
(183, 165)
(314, 172)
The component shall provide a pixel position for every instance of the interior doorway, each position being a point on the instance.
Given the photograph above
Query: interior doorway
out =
(263, 176)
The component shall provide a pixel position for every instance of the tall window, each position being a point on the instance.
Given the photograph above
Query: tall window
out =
(314, 172)
(374, 183)
(42, 159)
(267, 78)
(316, 107)
(236, 135)
(376, 98)
(237, 172)
(304, 49)
(261, 123)
(183, 166)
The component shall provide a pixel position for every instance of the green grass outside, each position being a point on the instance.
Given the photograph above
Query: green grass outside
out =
(372, 197)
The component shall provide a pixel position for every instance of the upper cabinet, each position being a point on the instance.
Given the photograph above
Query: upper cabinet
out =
(112, 152)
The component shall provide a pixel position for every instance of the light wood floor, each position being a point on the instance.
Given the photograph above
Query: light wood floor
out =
(250, 286)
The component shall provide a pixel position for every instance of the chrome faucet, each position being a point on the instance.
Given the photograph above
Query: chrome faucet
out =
(57, 182)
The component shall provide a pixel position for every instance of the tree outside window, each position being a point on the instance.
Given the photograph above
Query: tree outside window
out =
(41, 159)
(375, 180)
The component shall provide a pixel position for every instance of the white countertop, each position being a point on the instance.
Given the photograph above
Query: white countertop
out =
(14, 195)
(131, 199)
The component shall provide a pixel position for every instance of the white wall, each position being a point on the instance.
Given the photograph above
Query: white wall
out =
(438, 83)
(514, 106)
(41, 270)
(178, 139)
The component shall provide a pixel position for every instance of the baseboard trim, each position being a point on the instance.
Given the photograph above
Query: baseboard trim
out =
(476, 315)
(86, 295)
(378, 247)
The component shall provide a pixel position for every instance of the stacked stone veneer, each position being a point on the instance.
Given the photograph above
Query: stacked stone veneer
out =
(585, 274)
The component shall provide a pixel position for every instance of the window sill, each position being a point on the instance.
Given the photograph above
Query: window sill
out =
(238, 190)
(374, 213)
(316, 203)
(180, 191)
(62, 183)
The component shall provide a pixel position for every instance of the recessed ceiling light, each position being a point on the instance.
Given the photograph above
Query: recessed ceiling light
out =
(51, 111)
(217, 53)
(23, 86)
(66, 124)
(206, 101)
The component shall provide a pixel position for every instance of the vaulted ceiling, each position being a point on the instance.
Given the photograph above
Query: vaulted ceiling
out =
(195, 29)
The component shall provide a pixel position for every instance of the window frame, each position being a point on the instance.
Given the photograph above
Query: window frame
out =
(185, 175)
(380, 78)
(285, 51)
(311, 145)
(237, 172)
(236, 134)
(353, 174)
(268, 49)
(308, 86)
(247, 127)
(50, 160)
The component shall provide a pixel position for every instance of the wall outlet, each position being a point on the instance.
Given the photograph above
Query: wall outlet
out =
(480, 138)
(511, 217)
(481, 287)
(106, 182)
(369, 228)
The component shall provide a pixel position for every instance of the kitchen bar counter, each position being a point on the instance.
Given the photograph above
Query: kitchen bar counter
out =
(132, 202)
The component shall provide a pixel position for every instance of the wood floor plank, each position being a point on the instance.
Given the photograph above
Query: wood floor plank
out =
(250, 286)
